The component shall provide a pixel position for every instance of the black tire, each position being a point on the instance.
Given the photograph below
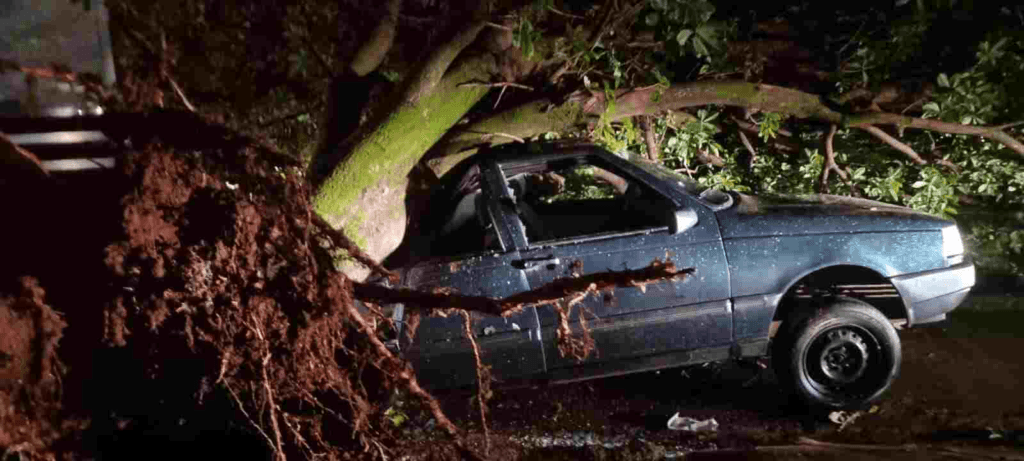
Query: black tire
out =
(843, 357)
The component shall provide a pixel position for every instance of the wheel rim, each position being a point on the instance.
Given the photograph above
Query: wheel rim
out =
(844, 363)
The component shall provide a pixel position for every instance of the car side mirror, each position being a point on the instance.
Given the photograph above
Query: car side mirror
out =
(682, 220)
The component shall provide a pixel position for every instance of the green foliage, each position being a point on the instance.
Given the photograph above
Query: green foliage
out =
(686, 25)
(997, 249)
(391, 76)
(681, 146)
(936, 192)
(581, 184)
(769, 126)
(525, 37)
(395, 416)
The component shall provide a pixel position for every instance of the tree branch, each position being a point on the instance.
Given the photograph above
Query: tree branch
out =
(435, 66)
(830, 161)
(653, 149)
(749, 146)
(372, 52)
(994, 133)
(535, 117)
(895, 143)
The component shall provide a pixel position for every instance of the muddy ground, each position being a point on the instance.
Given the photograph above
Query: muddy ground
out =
(957, 398)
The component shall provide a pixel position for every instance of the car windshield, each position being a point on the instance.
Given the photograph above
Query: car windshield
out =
(686, 184)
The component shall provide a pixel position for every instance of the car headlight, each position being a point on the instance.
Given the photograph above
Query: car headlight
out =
(952, 244)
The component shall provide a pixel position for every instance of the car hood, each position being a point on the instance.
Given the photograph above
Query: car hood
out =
(818, 214)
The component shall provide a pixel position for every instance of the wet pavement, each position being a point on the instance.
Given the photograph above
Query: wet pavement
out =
(957, 398)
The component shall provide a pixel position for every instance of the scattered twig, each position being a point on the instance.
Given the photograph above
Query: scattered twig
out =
(562, 13)
(502, 93)
(497, 85)
(177, 90)
(498, 26)
(895, 143)
(504, 135)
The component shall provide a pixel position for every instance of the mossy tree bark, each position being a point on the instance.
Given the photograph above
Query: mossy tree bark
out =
(364, 192)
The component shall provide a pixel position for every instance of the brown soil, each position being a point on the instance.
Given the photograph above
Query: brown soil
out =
(201, 301)
(29, 369)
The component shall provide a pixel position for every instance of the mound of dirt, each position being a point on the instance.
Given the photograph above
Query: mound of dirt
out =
(201, 297)
(30, 372)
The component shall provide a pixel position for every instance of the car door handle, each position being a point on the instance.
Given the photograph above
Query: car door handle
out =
(535, 263)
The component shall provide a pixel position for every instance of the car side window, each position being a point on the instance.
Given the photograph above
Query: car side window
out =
(467, 229)
(584, 200)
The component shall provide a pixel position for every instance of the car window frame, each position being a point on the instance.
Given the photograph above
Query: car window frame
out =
(623, 169)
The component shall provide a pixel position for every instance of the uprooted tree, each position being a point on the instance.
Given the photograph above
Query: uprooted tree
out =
(247, 310)
(844, 97)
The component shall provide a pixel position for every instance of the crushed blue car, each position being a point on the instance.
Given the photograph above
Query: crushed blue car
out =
(818, 283)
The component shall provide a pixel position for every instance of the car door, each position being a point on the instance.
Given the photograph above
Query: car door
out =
(674, 315)
(440, 352)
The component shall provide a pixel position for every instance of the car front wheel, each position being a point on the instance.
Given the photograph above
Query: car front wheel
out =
(845, 356)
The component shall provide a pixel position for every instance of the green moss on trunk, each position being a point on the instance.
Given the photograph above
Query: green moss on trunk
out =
(523, 121)
(365, 192)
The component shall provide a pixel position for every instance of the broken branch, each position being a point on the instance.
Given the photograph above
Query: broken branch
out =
(895, 143)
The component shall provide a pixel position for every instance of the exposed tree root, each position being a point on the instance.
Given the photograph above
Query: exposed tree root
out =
(557, 290)
(483, 378)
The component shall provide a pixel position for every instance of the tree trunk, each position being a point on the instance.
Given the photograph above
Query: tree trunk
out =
(364, 193)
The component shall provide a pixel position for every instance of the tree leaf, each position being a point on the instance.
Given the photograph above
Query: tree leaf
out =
(700, 47)
(919, 184)
(659, 5)
(683, 36)
(652, 19)
(932, 107)
(943, 81)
